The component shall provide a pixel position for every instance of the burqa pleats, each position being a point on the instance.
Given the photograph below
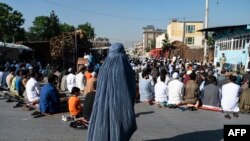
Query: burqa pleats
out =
(113, 116)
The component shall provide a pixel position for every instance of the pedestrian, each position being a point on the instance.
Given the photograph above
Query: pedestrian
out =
(70, 79)
(223, 60)
(113, 116)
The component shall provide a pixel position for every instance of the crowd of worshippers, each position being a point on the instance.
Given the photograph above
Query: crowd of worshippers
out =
(174, 82)
(46, 88)
(163, 82)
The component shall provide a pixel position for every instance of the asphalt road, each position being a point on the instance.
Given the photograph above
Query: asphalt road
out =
(154, 124)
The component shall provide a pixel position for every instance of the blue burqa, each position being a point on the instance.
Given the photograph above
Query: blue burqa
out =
(113, 116)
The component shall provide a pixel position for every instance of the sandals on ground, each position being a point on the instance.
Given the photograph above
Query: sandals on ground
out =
(35, 113)
(227, 116)
(10, 100)
(39, 115)
(236, 115)
(78, 125)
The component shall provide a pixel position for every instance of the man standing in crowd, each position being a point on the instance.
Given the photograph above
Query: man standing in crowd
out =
(223, 60)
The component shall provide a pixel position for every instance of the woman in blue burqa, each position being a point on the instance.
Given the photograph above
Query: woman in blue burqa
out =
(113, 116)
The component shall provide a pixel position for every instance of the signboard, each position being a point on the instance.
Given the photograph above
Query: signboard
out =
(81, 62)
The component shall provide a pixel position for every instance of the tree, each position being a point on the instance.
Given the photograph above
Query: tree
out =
(90, 31)
(45, 27)
(10, 22)
(153, 44)
(66, 27)
(166, 45)
(41, 28)
(210, 41)
(54, 24)
(20, 34)
(147, 49)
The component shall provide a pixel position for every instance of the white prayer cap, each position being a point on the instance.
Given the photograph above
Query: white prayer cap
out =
(175, 75)
(70, 70)
(93, 73)
(189, 72)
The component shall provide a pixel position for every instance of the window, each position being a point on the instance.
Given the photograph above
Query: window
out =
(190, 29)
(240, 44)
(235, 45)
(190, 40)
(243, 44)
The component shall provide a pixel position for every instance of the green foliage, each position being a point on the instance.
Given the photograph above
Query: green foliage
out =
(10, 23)
(66, 27)
(20, 34)
(45, 27)
(54, 24)
(41, 28)
(90, 31)
(147, 49)
(210, 41)
(153, 44)
(166, 45)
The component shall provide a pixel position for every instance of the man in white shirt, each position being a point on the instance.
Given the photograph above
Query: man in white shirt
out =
(33, 88)
(161, 92)
(10, 76)
(230, 97)
(71, 80)
(80, 79)
(175, 90)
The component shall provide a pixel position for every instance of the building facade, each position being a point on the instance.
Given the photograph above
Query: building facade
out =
(234, 42)
(137, 49)
(159, 40)
(187, 32)
(149, 36)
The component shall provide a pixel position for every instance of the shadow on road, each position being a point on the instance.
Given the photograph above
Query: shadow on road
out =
(211, 135)
(143, 113)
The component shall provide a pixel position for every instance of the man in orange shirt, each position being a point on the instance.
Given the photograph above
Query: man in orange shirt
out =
(74, 102)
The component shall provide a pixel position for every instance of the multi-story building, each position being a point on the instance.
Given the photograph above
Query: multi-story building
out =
(187, 32)
(159, 40)
(149, 35)
(138, 49)
(138, 45)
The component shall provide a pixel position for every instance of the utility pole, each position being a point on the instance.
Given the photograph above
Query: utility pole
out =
(206, 26)
(76, 52)
(184, 31)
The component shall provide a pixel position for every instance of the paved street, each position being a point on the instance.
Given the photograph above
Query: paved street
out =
(154, 124)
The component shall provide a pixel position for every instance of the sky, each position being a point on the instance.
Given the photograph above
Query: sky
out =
(123, 20)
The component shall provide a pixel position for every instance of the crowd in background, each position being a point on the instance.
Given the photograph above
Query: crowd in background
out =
(163, 82)
(173, 82)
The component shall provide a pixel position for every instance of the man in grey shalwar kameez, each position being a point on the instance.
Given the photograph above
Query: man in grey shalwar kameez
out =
(212, 93)
(113, 116)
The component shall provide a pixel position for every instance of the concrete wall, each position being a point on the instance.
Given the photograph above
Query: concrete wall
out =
(159, 40)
